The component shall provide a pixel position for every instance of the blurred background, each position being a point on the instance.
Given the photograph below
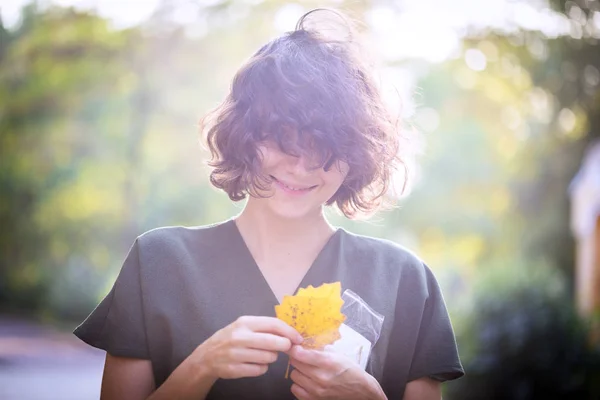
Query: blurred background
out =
(99, 105)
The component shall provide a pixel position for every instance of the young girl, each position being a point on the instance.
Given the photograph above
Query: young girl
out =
(191, 314)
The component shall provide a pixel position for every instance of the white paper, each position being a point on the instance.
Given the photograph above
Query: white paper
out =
(353, 345)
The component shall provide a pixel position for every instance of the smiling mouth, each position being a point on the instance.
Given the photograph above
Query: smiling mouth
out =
(293, 188)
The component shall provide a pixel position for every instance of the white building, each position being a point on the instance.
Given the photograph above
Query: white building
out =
(585, 225)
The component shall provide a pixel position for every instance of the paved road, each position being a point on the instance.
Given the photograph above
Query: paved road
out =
(41, 363)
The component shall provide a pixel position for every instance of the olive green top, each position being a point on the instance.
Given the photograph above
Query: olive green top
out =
(178, 286)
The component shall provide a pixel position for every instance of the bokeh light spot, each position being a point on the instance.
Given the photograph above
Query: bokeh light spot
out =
(475, 59)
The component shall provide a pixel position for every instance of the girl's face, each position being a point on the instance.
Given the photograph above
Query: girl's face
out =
(298, 189)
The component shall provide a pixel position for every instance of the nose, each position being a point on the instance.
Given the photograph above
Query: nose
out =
(300, 165)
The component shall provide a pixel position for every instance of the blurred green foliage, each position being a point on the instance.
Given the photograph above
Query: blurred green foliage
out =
(523, 339)
(98, 143)
(83, 113)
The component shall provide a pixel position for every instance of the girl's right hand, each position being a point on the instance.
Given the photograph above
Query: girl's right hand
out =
(245, 348)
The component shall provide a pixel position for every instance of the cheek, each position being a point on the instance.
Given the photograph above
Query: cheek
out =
(336, 175)
(269, 157)
(343, 168)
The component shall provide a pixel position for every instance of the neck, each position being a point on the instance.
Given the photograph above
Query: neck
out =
(267, 233)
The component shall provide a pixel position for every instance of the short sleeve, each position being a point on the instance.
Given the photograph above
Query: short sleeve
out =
(436, 352)
(117, 323)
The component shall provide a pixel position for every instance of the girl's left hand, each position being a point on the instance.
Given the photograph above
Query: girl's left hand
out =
(325, 375)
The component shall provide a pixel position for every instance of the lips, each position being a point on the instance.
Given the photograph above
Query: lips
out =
(292, 186)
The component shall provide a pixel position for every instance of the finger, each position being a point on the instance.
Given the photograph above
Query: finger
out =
(255, 356)
(247, 370)
(308, 356)
(266, 341)
(300, 393)
(271, 325)
(316, 378)
(302, 380)
(306, 369)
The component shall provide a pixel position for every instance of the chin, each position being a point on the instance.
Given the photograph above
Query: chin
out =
(293, 211)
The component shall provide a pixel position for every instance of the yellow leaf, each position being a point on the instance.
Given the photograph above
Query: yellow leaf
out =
(315, 313)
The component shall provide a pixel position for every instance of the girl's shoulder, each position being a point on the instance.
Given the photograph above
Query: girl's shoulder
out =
(198, 242)
(211, 233)
(378, 248)
(382, 253)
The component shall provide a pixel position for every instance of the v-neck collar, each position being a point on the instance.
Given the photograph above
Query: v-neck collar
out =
(326, 261)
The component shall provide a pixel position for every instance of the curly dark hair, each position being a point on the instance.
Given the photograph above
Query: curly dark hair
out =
(312, 95)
